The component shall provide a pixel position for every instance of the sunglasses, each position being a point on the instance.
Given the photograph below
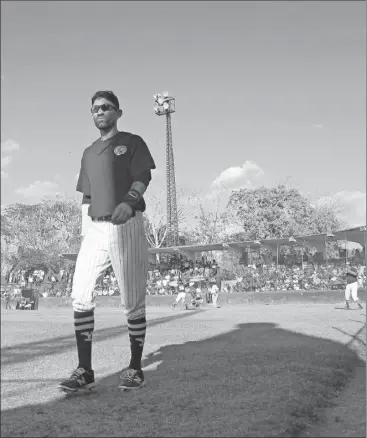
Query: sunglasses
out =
(104, 107)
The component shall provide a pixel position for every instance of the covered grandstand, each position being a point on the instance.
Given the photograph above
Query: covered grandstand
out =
(318, 241)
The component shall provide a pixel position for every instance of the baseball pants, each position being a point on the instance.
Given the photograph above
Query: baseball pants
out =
(351, 289)
(215, 300)
(126, 248)
(180, 297)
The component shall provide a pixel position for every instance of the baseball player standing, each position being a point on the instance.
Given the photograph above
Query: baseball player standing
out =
(115, 173)
(215, 293)
(352, 288)
(181, 294)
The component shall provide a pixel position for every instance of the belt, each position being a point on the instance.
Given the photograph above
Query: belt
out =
(109, 217)
(102, 218)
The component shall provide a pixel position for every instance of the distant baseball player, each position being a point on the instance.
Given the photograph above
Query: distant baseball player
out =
(115, 173)
(215, 294)
(181, 296)
(7, 300)
(352, 288)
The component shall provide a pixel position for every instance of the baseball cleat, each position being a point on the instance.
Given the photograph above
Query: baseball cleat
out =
(132, 379)
(79, 381)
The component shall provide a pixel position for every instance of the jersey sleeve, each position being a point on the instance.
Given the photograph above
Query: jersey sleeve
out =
(83, 184)
(141, 159)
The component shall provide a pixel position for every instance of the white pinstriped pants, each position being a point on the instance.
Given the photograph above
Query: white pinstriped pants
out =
(126, 248)
(351, 288)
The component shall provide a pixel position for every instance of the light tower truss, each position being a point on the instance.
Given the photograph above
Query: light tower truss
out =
(165, 105)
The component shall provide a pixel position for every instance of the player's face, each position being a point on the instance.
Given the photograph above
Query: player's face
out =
(105, 114)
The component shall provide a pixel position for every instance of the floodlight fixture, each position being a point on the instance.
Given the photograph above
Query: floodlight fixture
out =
(164, 104)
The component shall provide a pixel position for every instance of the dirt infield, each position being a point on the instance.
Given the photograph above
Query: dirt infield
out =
(235, 371)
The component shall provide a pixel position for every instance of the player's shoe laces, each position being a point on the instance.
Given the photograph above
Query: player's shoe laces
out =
(80, 379)
(132, 379)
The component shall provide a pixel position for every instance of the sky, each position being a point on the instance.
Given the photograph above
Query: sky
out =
(265, 92)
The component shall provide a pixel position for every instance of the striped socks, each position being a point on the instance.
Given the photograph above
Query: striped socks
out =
(137, 329)
(84, 326)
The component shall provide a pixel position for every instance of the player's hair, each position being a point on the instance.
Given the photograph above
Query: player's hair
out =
(109, 95)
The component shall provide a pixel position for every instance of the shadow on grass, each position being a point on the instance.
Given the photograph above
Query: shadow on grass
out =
(257, 380)
(354, 336)
(21, 352)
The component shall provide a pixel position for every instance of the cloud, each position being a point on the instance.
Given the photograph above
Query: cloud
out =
(7, 146)
(38, 189)
(5, 161)
(355, 206)
(239, 176)
(317, 125)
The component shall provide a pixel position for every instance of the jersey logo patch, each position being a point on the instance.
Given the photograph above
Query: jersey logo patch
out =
(120, 150)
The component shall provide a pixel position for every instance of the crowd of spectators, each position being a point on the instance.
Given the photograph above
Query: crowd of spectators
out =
(254, 279)
(47, 282)
(295, 278)
(167, 278)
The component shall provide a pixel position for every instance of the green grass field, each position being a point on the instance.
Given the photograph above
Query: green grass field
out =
(248, 370)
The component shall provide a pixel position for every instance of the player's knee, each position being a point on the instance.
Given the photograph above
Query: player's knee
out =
(83, 307)
(135, 313)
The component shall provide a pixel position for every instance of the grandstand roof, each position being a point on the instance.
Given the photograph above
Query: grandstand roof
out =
(357, 235)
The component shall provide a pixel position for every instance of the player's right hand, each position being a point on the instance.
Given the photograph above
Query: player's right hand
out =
(122, 213)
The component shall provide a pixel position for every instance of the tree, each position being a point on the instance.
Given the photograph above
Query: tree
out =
(210, 224)
(35, 235)
(155, 222)
(155, 218)
(279, 212)
(326, 213)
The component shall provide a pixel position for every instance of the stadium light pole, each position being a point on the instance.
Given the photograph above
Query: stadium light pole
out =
(345, 246)
(328, 236)
(365, 242)
(165, 105)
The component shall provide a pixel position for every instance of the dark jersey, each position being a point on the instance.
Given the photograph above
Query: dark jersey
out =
(352, 276)
(109, 168)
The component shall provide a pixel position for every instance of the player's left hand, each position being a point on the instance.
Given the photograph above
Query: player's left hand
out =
(122, 213)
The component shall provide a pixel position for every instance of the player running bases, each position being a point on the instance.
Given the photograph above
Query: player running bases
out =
(115, 173)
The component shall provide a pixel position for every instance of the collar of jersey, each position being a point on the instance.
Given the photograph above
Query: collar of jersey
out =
(108, 142)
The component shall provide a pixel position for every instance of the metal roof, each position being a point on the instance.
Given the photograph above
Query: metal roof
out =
(357, 235)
